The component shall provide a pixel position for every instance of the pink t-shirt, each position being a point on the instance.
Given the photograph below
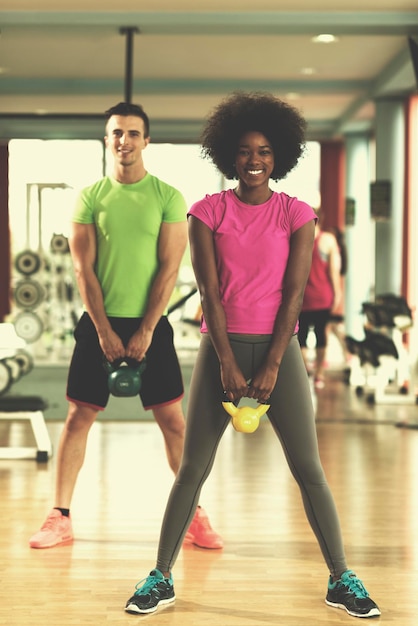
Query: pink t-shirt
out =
(252, 247)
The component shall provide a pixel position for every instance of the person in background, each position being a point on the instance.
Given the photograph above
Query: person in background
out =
(335, 325)
(251, 251)
(323, 295)
(129, 234)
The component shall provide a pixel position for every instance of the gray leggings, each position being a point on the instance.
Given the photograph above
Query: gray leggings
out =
(292, 417)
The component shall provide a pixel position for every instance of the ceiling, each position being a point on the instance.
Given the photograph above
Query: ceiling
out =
(61, 68)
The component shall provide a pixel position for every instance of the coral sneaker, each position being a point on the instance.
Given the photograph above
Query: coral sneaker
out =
(56, 530)
(201, 532)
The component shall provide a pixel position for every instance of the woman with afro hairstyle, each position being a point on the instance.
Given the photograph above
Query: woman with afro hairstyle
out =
(251, 251)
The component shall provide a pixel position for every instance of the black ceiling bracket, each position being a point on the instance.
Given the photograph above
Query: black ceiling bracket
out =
(129, 31)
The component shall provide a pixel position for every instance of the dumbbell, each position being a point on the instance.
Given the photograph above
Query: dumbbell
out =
(124, 376)
(5, 377)
(25, 361)
(245, 419)
(14, 367)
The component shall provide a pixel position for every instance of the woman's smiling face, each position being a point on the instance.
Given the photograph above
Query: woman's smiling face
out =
(254, 161)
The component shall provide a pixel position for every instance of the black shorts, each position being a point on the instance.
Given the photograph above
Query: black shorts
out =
(316, 319)
(162, 381)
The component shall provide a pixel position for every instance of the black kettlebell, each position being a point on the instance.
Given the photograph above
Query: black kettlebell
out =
(124, 376)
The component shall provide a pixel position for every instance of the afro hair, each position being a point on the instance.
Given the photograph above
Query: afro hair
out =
(242, 112)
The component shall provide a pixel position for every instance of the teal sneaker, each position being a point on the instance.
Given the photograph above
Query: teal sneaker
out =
(349, 593)
(155, 590)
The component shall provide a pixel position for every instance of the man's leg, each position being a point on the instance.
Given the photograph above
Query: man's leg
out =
(170, 419)
(71, 451)
(57, 528)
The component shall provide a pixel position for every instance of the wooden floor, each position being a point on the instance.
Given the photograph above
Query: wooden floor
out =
(269, 573)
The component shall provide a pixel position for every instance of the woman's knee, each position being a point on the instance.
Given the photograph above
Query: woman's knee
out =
(191, 473)
(309, 472)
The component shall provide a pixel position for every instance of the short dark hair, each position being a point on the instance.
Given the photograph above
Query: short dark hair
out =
(125, 109)
(242, 112)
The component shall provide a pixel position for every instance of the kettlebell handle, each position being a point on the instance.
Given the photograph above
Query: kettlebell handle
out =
(232, 408)
(112, 366)
(226, 400)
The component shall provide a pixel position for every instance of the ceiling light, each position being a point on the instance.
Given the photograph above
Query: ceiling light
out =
(292, 95)
(325, 38)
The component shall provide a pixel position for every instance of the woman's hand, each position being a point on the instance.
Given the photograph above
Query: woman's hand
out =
(263, 383)
(234, 384)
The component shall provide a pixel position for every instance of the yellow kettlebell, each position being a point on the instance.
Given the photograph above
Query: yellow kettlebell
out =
(245, 419)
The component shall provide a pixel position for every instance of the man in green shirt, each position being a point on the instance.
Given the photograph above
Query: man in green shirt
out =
(129, 234)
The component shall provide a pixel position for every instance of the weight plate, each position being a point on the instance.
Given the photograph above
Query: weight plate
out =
(27, 262)
(14, 368)
(59, 243)
(25, 361)
(5, 377)
(28, 326)
(28, 294)
(61, 290)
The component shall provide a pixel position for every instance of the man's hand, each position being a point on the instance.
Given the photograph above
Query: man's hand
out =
(112, 346)
(138, 344)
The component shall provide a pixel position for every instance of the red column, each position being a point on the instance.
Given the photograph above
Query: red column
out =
(332, 184)
(4, 233)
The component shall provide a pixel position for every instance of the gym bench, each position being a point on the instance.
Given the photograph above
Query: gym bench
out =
(30, 408)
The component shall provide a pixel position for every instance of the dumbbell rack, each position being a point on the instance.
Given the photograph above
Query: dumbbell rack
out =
(20, 407)
(15, 360)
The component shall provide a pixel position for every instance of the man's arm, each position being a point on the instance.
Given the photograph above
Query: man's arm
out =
(83, 252)
(172, 243)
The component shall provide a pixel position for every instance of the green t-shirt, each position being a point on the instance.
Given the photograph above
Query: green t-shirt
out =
(128, 220)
